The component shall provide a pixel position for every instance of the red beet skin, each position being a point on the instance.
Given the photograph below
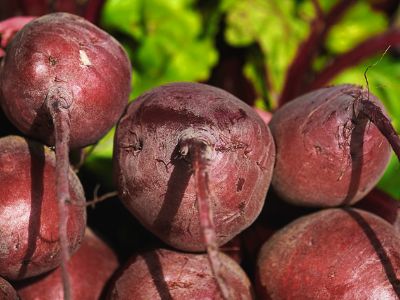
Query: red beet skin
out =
(90, 268)
(156, 181)
(165, 274)
(7, 292)
(29, 239)
(325, 155)
(63, 52)
(332, 254)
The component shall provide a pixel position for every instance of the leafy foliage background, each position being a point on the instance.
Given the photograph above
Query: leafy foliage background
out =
(180, 40)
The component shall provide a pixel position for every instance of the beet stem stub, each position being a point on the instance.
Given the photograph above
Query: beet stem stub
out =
(199, 152)
(375, 115)
(58, 101)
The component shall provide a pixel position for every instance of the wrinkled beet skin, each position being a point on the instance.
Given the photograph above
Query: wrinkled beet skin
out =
(28, 166)
(159, 190)
(7, 292)
(330, 255)
(90, 268)
(313, 139)
(165, 274)
(49, 52)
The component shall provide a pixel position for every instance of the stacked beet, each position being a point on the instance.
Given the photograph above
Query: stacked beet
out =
(64, 82)
(193, 164)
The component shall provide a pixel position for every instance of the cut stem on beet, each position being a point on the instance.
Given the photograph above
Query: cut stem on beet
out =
(199, 160)
(375, 114)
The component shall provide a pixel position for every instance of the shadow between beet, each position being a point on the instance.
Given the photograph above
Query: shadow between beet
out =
(378, 247)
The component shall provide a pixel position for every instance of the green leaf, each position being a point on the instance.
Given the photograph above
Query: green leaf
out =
(277, 26)
(167, 40)
(359, 23)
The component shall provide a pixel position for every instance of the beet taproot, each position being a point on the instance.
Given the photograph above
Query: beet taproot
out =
(329, 147)
(29, 218)
(90, 269)
(166, 274)
(331, 254)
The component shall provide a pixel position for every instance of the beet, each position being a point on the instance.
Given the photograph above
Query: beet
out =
(329, 152)
(331, 254)
(64, 56)
(7, 292)
(166, 274)
(90, 269)
(182, 129)
(29, 238)
(66, 82)
(155, 180)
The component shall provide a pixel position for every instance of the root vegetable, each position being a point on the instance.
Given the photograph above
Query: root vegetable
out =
(165, 274)
(90, 269)
(331, 254)
(29, 218)
(193, 164)
(332, 146)
(66, 82)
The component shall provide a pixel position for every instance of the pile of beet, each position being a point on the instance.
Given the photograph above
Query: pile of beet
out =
(213, 202)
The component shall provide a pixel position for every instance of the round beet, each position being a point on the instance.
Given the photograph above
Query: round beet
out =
(29, 237)
(90, 269)
(154, 166)
(165, 274)
(66, 82)
(7, 292)
(328, 152)
(193, 164)
(332, 254)
(65, 56)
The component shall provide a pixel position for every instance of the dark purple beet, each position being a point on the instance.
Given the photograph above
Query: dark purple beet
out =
(154, 176)
(193, 164)
(329, 152)
(66, 82)
(165, 274)
(29, 218)
(331, 254)
(64, 54)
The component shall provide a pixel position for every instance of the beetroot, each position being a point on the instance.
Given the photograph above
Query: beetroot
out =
(381, 204)
(64, 56)
(329, 152)
(7, 292)
(331, 254)
(90, 269)
(182, 129)
(64, 81)
(29, 239)
(165, 274)
(153, 167)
